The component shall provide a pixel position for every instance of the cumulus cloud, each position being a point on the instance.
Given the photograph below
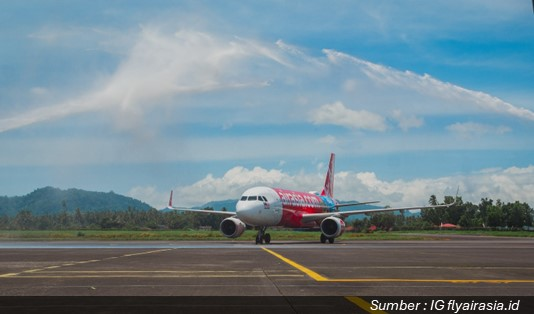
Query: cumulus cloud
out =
(337, 114)
(230, 185)
(509, 185)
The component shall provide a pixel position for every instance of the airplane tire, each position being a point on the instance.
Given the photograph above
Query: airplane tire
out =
(331, 240)
(323, 238)
(267, 238)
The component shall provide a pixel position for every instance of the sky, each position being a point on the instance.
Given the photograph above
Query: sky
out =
(209, 98)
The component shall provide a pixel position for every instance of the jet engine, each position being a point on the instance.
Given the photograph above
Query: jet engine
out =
(332, 227)
(232, 227)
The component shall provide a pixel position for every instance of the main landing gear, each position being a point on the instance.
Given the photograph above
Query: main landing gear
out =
(325, 238)
(262, 236)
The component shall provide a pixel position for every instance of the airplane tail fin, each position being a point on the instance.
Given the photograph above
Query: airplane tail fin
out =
(170, 201)
(328, 189)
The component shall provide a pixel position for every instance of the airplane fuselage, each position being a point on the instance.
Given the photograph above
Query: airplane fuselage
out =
(264, 206)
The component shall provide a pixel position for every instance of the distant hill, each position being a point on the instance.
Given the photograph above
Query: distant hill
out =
(51, 200)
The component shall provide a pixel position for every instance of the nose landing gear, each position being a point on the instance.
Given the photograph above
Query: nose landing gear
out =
(262, 236)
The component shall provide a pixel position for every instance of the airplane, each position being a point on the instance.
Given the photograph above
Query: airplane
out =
(265, 207)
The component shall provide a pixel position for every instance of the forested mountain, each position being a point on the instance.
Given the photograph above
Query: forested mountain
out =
(51, 200)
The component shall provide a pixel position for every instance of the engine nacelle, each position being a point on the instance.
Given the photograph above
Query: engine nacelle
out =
(232, 227)
(332, 227)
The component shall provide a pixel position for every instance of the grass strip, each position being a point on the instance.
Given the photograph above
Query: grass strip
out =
(249, 235)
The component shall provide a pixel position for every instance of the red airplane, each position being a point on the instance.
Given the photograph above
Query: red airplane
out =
(264, 207)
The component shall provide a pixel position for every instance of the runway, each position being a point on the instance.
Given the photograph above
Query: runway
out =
(474, 267)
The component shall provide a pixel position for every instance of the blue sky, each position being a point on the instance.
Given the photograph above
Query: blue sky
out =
(212, 97)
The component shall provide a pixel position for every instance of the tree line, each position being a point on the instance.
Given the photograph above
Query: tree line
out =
(486, 214)
(130, 219)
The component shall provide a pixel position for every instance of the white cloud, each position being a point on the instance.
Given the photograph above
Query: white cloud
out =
(337, 114)
(406, 122)
(166, 68)
(160, 66)
(198, 79)
(328, 140)
(509, 185)
(150, 195)
(229, 186)
(455, 96)
(469, 129)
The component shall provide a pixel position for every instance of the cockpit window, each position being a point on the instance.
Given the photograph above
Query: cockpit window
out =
(254, 198)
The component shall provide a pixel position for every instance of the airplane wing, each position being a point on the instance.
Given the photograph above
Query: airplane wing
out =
(320, 216)
(349, 204)
(355, 204)
(186, 209)
(204, 211)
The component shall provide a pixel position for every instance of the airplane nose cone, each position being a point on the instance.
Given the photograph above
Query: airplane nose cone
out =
(249, 212)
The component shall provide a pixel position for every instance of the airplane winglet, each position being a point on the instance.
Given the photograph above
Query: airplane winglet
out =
(456, 196)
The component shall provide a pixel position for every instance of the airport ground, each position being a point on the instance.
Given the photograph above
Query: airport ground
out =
(463, 266)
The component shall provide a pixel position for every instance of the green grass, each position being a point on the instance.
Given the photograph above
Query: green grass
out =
(487, 233)
(187, 235)
(126, 235)
(249, 235)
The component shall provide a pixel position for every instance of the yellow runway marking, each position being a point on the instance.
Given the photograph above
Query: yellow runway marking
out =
(8, 275)
(32, 270)
(89, 261)
(364, 305)
(433, 280)
(145, 253)
(303, 269)
(44, 269)
(152, 274)
(321, 278)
